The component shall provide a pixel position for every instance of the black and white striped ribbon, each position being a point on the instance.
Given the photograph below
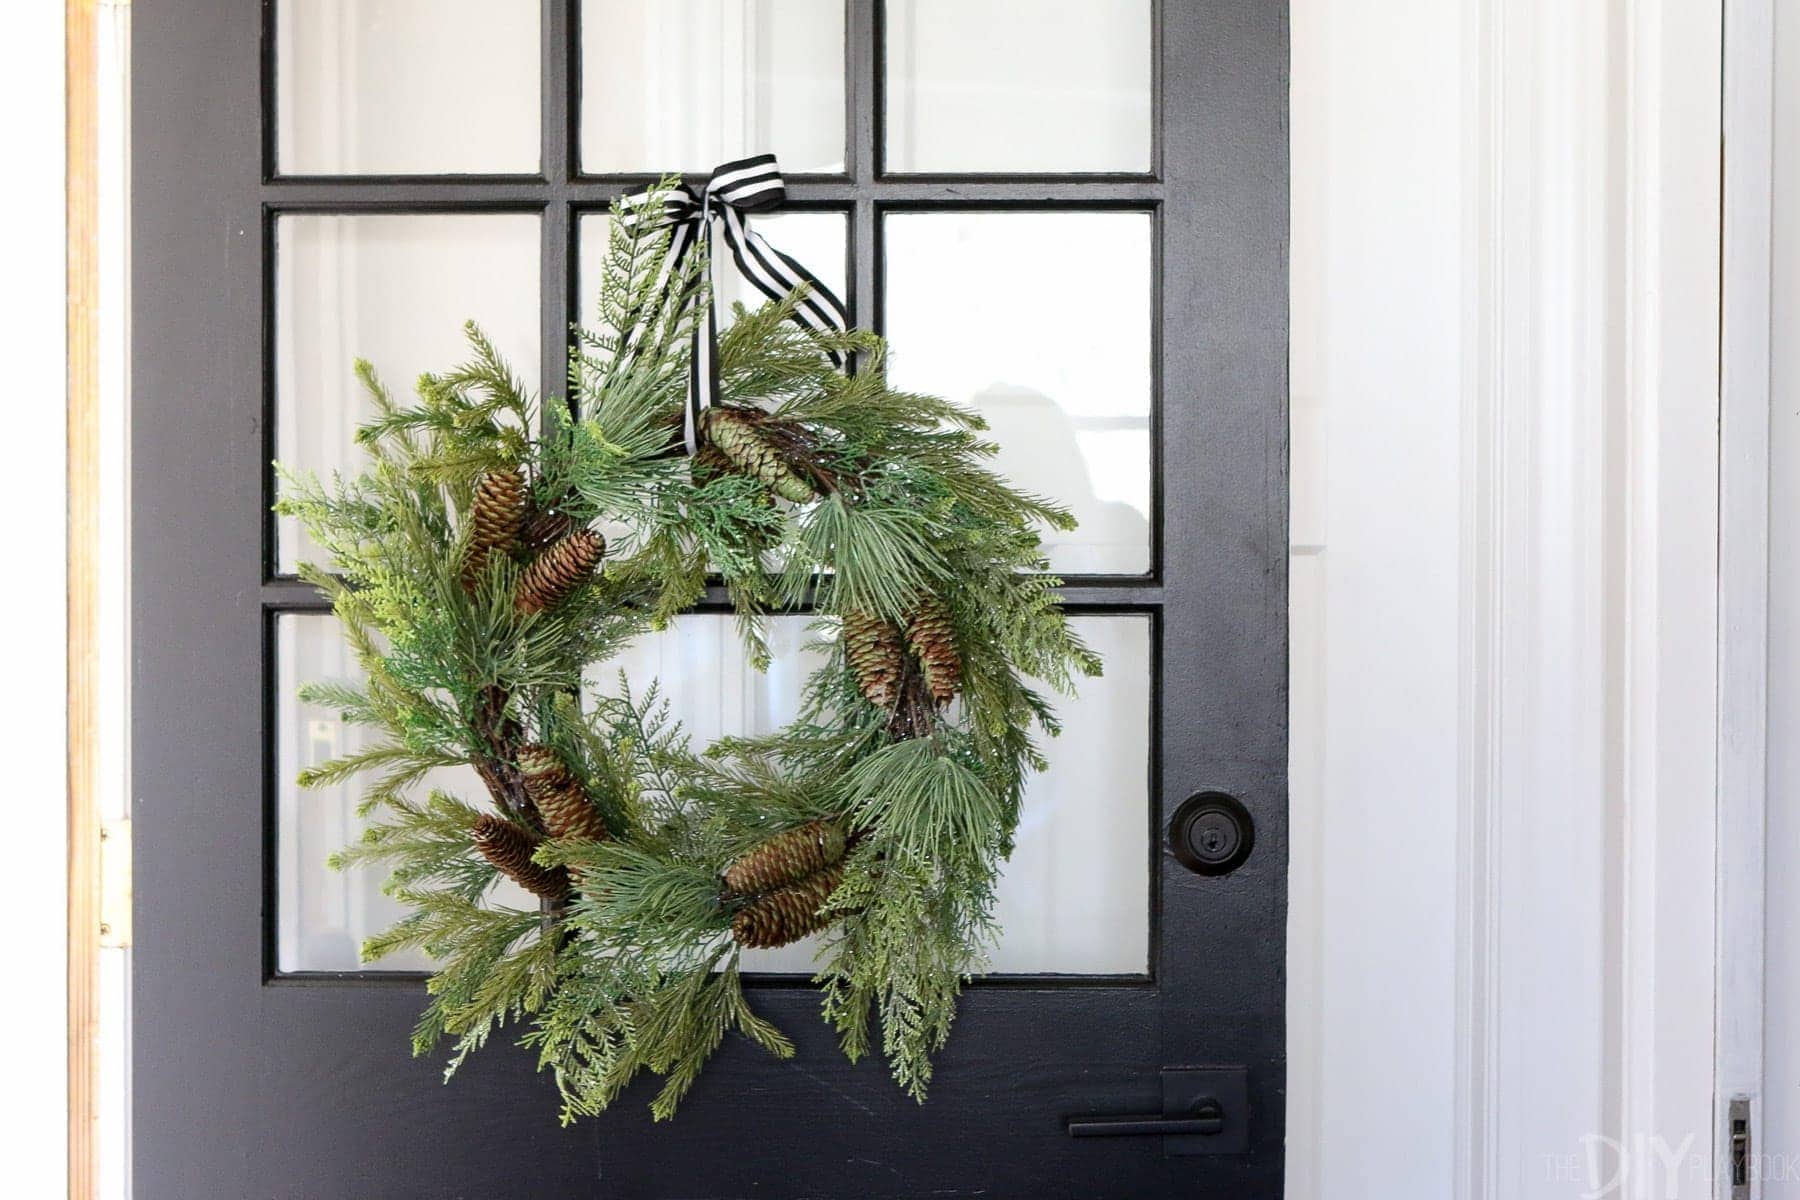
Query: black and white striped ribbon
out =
(733, 190)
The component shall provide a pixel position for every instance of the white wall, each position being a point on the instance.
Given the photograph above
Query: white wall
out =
(32, 1008)
(1377, 361)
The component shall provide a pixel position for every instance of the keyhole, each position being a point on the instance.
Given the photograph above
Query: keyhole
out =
(1211, 833)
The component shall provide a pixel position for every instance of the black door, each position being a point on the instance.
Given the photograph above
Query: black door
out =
(1070, 214)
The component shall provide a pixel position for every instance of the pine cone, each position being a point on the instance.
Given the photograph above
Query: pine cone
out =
(785, 858)
(543, 767)
(558, 571)
(709, 463)
(787, 914)
(739, 436)
(559, 796)
(933, 639)
(509, 847)
(874, 650)
(545, 527)
(496, 514)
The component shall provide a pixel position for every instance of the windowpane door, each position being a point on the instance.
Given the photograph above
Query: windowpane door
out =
(1066, 214)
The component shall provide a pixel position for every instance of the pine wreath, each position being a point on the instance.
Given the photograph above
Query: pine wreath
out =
(482, 603)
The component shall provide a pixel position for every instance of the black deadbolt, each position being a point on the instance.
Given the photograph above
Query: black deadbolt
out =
(1212, 833)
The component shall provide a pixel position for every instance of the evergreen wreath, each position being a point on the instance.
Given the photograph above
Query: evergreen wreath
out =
(468, 569)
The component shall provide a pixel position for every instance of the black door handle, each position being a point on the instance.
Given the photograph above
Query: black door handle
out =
(1207, 1116)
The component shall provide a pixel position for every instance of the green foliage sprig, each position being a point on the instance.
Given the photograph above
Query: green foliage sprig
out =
(636, 966)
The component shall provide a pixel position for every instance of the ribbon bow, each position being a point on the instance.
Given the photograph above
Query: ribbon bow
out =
(733, 190)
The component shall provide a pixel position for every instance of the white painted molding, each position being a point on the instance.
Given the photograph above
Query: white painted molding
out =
(1534, 833)
(1479, 768)
(1506, 320)
(1779, 1127)
(1669, 698)
(1588, 648)
(1744, 579)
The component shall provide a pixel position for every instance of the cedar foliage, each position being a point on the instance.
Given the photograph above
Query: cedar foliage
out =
(872, 506)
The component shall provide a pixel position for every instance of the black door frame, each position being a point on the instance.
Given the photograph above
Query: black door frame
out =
(247, 1082)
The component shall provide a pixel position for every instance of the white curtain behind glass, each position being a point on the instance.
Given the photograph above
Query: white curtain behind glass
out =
(406, 87)
(1074, 897)
(323, 916)
(684, 85)
(396, 290)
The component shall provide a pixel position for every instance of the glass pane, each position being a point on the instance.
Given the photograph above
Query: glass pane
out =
(1042, 322)
(1069, 91)
(322, 915)
(684, 85)
(387, 87)
(700, 667)
(1075, 896)
(818, 240)
(1073, 899)
(396, 291)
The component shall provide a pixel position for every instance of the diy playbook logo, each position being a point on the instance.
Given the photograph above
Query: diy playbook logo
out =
(1653, 1167)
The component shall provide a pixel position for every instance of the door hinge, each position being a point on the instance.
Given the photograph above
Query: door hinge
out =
(115, 884)
(1740, 1151)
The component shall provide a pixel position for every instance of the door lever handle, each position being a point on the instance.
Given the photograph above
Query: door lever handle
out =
(1206, 1116)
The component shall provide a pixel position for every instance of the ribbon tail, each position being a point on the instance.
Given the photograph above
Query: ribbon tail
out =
(775, 275)
(703, 377)
(690, 424)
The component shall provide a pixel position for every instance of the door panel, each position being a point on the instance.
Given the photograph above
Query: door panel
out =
(687, 86)
(381, 87)
(1074, 95)
(395, 289)
(1123, 323)
(1062, 367)
(818, 238)
(1073, 899)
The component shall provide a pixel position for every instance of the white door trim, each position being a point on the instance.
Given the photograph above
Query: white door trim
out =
(1744, 466)
(1539, 523)
(1590, 653)
(1514, 691)
(1672, 210)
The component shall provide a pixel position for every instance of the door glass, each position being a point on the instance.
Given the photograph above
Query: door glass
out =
(1041, 321)
(1075, 896)
(699, 666)
(322, 915)
(980, 306)
(819, 241)
(1073, 899)
(396, 290)
(1027, 86)
(383, 87)
(684, 85)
